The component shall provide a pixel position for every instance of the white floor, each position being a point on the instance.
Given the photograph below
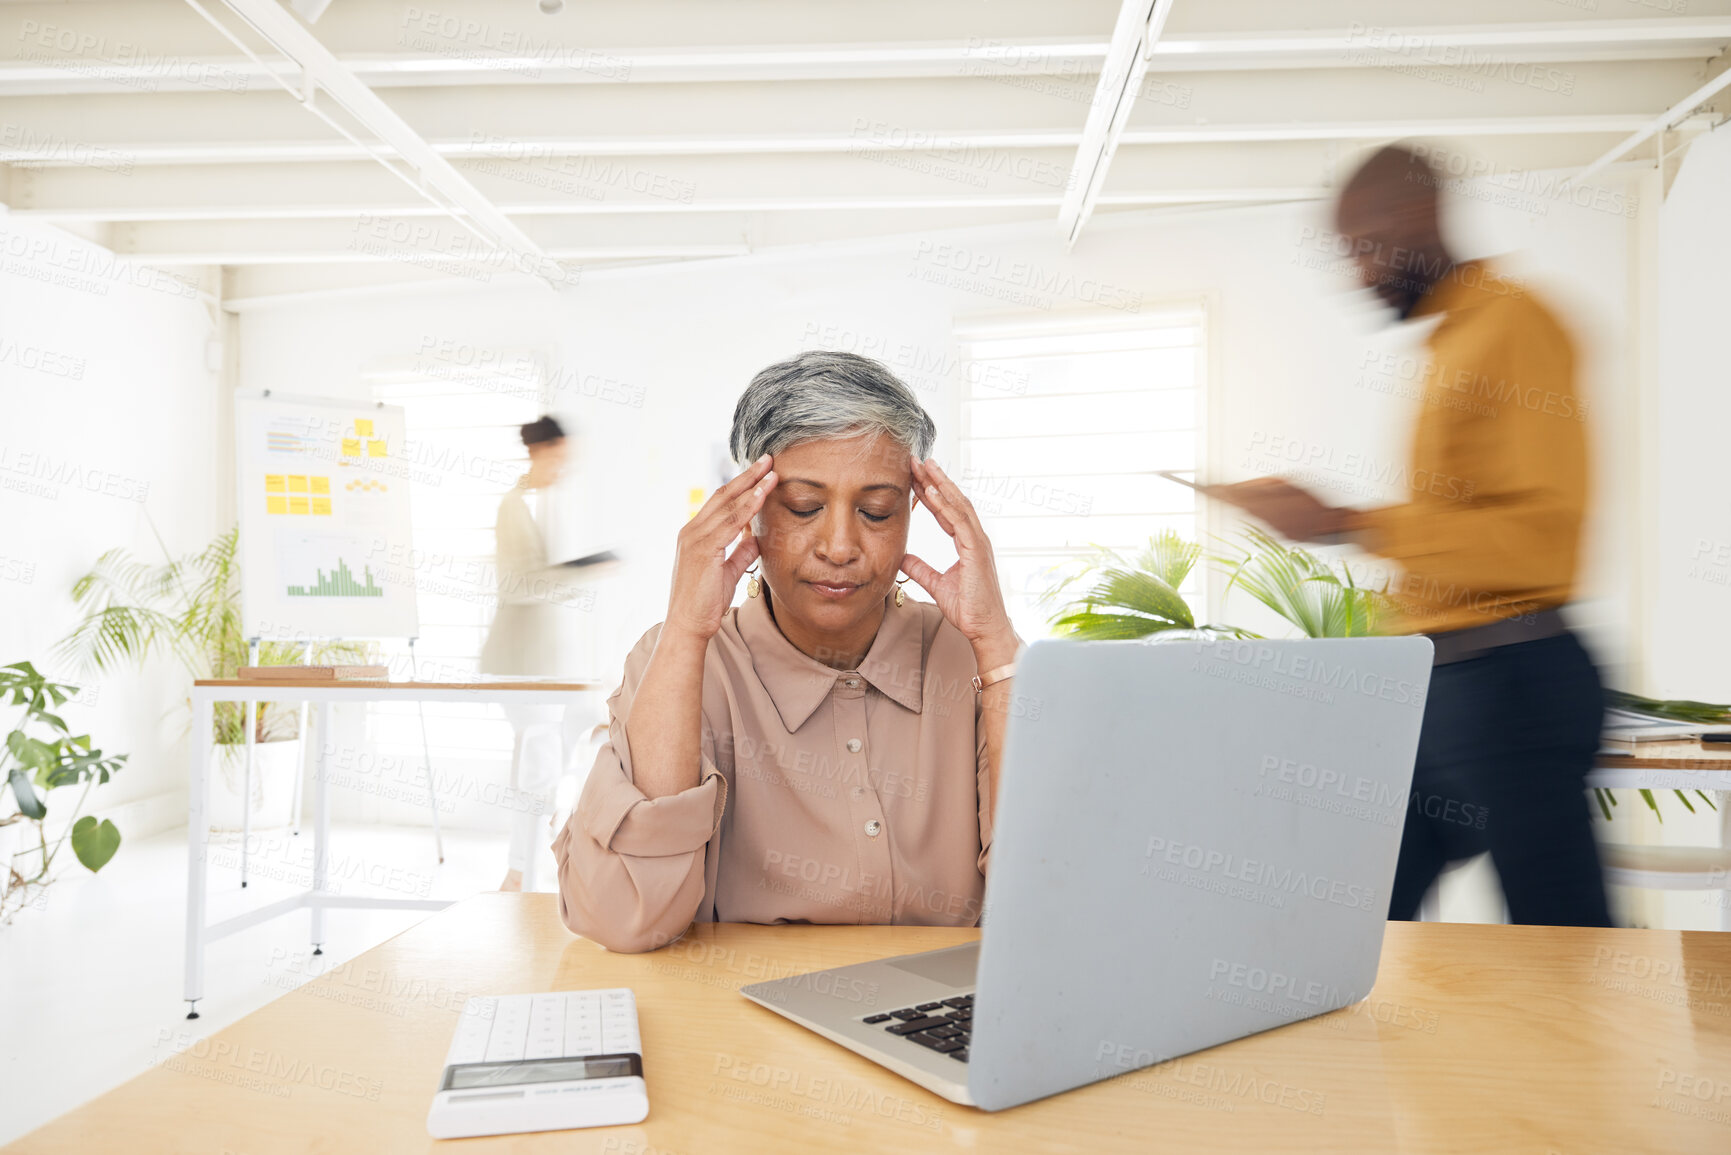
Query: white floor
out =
(90, 979)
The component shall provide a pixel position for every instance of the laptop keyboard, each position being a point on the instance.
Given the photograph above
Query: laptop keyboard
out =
(944, 1026)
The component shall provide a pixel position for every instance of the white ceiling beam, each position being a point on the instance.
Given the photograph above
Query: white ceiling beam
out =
(1134, 39)
(38, 66)
(1671, 118)
(21, 146)
(321, 73)
(671, 187)
(721, 118)
(426, 241)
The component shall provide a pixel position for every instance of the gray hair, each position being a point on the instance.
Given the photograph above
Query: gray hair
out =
(822, 395)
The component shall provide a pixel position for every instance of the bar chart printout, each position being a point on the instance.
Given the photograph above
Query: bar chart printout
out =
(340, 584)
(316, 565)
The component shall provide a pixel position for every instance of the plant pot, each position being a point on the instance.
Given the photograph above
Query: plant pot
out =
(275, 766)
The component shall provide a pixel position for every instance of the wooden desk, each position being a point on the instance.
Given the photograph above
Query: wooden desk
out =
(322, 692)
(1665, 766)
(1481, 1039)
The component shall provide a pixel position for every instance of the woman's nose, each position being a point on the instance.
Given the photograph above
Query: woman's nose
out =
(837, 540)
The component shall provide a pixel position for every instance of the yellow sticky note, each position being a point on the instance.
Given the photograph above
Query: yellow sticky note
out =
(273, 483)
(351, 447)
(363, 427)
(320, 484)
(276, 504)
(297, 504)
(297, 483)
(321, 507)
(375, 448)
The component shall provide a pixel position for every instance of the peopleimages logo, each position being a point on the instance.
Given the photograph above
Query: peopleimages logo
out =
(1274, 984)
(1257, 873)
(1313, 669)
(1310, 776)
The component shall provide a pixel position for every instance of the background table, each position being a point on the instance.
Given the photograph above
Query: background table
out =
(1481, 1039)
(1662, 767)
(321, 692)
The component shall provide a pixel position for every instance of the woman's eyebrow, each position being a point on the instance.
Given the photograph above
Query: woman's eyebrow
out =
(864, 488)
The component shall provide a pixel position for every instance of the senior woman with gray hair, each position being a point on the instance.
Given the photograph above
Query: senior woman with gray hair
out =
(828, 750)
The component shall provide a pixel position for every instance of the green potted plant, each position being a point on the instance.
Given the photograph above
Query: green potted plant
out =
(1137, 597)
(41, 755)
(1322, 600)
(1131, 597)
(189, 608)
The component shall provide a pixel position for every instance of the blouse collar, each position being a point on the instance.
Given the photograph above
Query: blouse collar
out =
(798, 683)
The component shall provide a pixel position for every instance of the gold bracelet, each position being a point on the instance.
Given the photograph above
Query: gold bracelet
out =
(993, 676)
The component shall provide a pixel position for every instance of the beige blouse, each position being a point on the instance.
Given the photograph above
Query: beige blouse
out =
(825, 796)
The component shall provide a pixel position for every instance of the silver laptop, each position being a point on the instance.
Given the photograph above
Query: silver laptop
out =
(1194, 842)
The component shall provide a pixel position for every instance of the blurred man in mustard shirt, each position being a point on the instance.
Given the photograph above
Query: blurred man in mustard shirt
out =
(1488, 542)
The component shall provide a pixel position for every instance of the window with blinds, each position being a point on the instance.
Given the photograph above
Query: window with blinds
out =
(1065, 426)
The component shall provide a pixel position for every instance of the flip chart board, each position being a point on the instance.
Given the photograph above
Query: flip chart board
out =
(323, 495)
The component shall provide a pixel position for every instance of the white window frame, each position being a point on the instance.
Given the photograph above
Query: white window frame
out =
(1199, 310)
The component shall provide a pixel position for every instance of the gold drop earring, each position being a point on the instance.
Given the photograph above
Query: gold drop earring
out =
(753, 587)
(901, 594)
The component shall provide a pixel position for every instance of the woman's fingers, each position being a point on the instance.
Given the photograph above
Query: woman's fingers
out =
(952, 508)
(746, 552)
(922, 574)
(721, 525)
(743, 482)
(924, 489)
(745, 506)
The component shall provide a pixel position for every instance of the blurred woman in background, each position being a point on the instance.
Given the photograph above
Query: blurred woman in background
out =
(525, 640)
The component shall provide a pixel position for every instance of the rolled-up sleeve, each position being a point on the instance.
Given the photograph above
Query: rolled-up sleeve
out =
(631, 868)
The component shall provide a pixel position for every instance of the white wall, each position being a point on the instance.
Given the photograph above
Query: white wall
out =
(1289, 347)
(1692, 563)
(109, 422)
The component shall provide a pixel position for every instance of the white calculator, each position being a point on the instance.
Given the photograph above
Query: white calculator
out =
(542, 1063)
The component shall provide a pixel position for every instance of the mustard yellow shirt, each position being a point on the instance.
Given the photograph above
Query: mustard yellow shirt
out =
(1498, 471)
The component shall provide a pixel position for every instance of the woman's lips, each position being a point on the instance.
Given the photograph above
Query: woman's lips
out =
(836, 590)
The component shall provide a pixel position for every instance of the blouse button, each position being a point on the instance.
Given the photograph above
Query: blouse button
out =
(874, 828)
(853, 745)
(853, 683)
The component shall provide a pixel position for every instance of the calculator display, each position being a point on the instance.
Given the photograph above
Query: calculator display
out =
(470, 1075)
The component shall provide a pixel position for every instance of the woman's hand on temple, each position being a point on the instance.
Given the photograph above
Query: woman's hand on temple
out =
(968, 592)
(705, 574)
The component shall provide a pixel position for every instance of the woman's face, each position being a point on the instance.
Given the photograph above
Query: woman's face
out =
(834, 530)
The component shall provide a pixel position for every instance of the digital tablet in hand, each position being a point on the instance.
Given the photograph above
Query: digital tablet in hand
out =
(1199, 486)
(601, 558)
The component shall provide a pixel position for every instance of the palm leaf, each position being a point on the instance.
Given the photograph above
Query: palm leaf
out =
(1305, 590)
(1127, 597)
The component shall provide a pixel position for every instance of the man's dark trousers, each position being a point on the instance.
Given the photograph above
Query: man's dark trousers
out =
(1507, 740)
